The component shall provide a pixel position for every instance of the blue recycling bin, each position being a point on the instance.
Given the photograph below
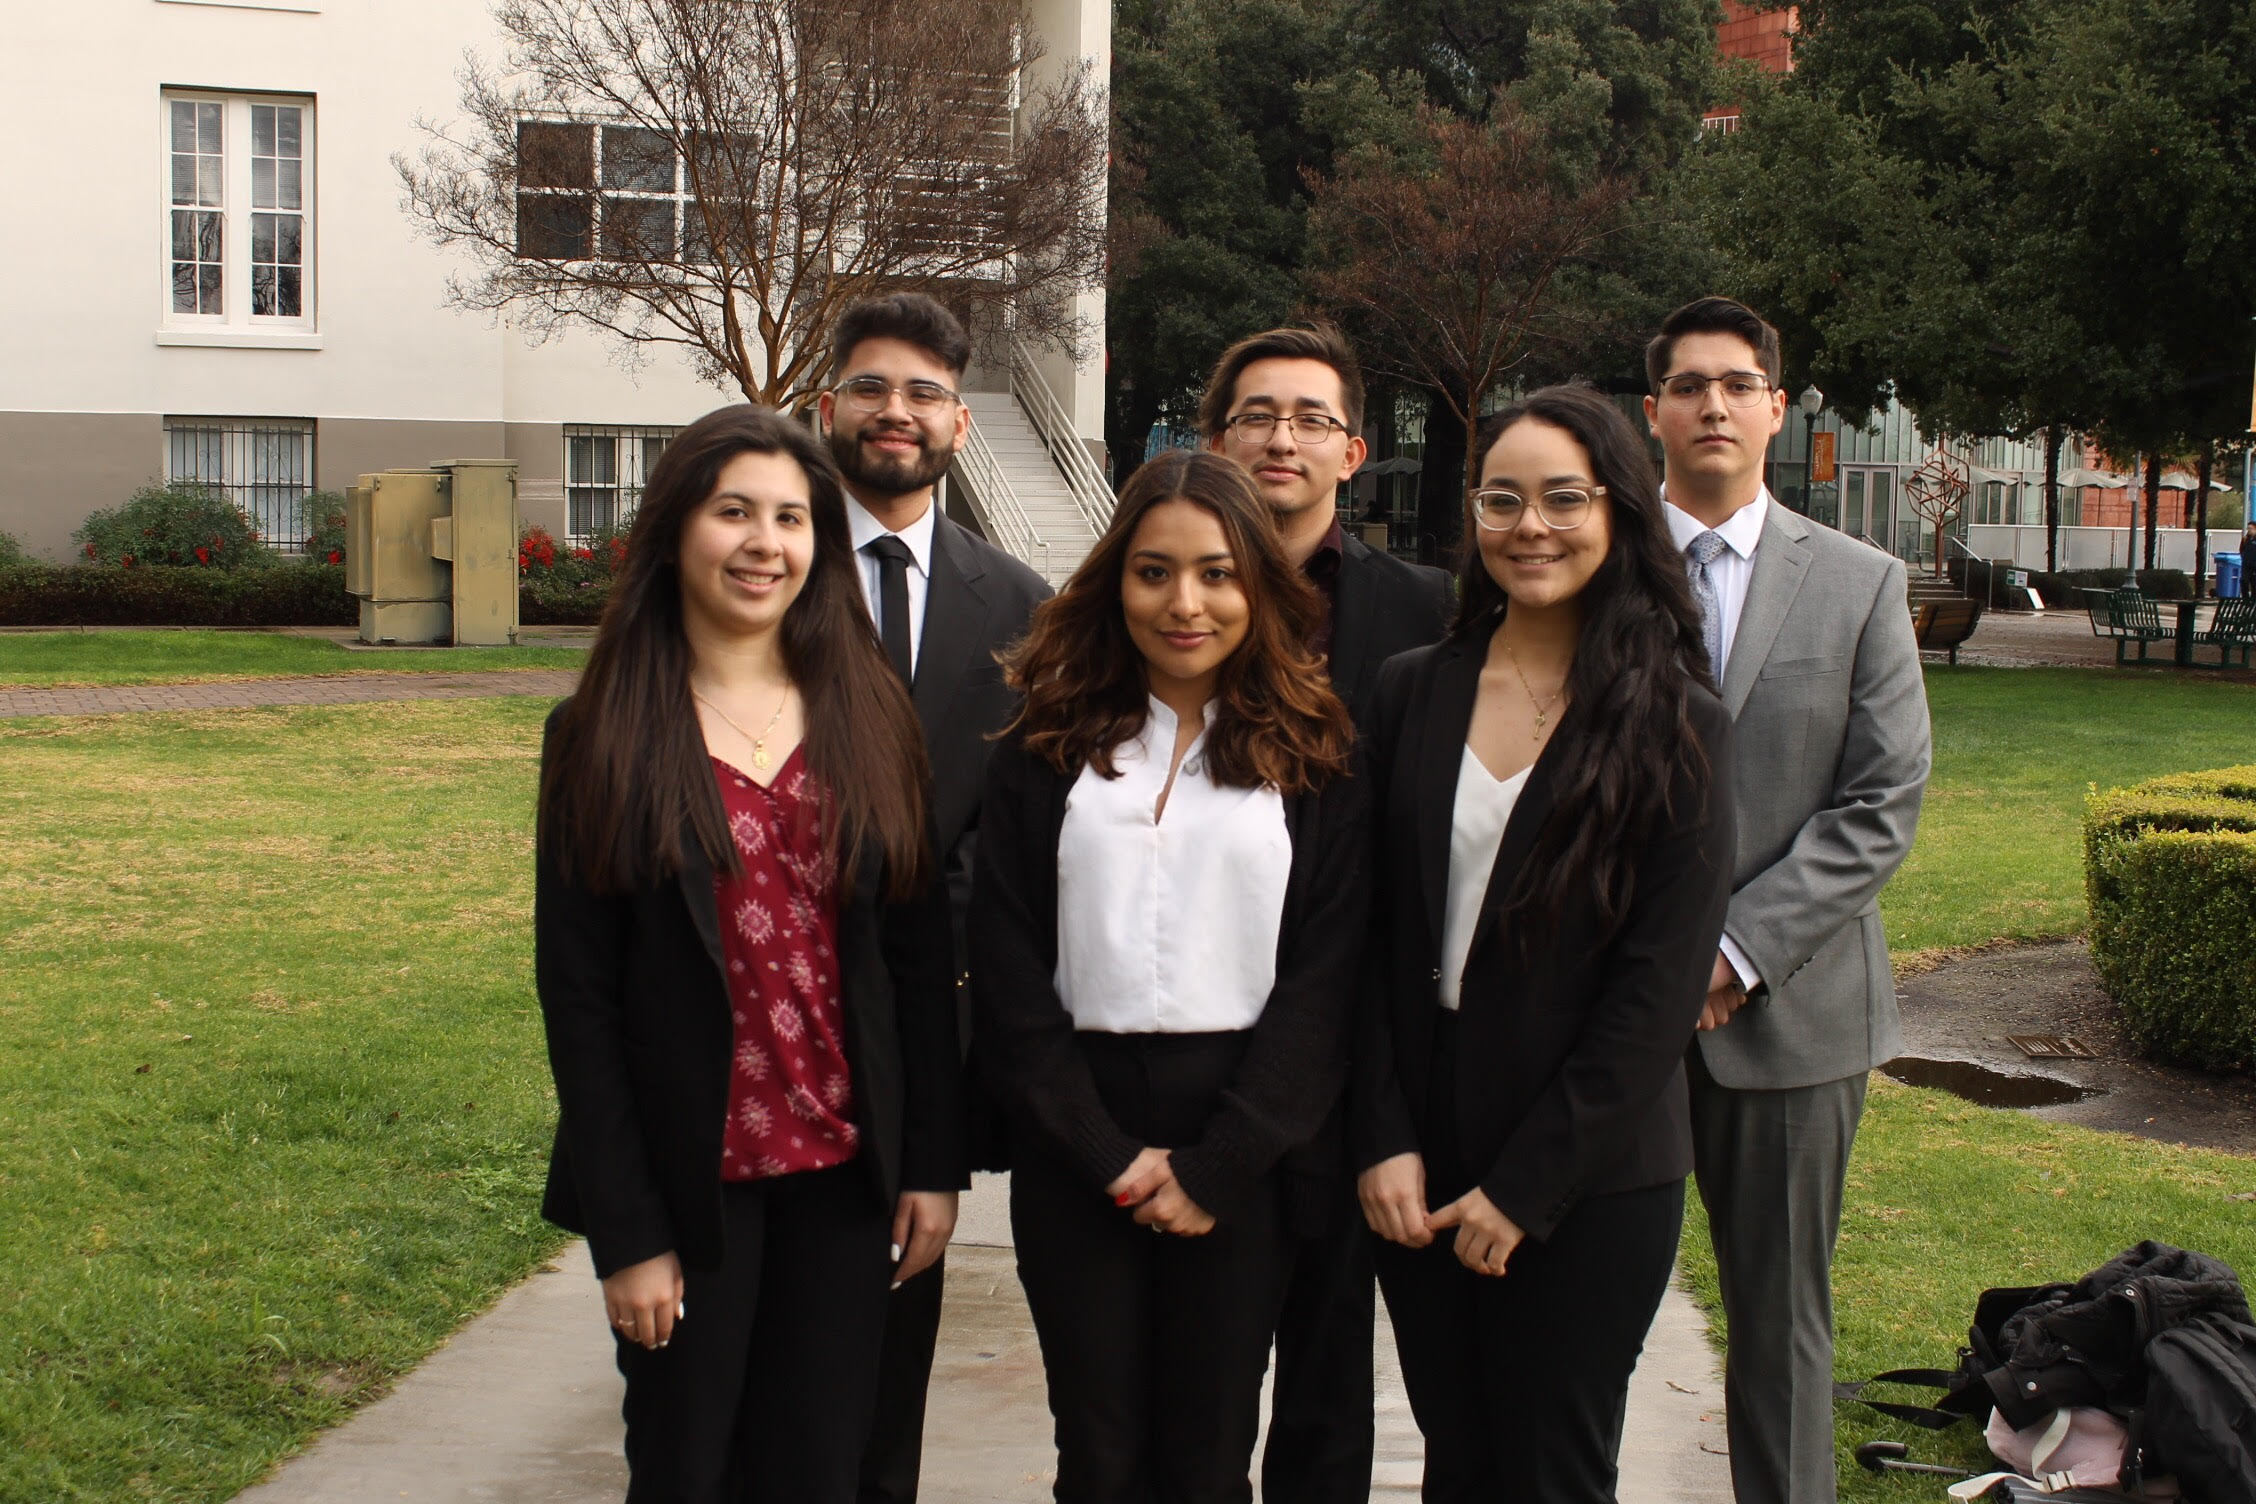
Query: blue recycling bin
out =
(2228, 575)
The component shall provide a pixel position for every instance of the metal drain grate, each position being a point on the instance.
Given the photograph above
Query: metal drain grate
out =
(2051, 1047)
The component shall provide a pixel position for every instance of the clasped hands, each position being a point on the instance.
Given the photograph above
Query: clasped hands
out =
(1393, 1193)
(1149, 1185)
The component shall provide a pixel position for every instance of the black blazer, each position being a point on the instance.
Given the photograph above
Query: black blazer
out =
(976, 604)
(1381, 607)
(633, 994)
(1570, 1064)
(1297, 1057)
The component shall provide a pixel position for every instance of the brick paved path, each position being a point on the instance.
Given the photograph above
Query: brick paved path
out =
(330, 689)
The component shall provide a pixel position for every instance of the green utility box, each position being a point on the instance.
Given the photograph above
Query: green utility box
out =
(432, 554)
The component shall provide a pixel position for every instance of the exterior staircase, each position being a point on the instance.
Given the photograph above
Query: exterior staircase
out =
(1028, 478)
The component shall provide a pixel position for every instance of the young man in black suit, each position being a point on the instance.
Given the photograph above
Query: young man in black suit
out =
(1288, 405)
(944, 600)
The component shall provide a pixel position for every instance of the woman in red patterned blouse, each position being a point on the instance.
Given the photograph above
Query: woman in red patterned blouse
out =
(746, 975)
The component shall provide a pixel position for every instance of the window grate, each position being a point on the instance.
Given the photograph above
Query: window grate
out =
(605, 470)
(264, 465)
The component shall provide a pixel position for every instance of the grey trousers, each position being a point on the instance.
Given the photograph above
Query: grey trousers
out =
(1770, 1166)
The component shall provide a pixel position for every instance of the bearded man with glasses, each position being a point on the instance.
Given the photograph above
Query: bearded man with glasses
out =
(1812, 650)
(1287, 404)
(945, 601)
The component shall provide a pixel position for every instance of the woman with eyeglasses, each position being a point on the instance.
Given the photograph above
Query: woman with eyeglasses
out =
(744, 967)
(1167, 915)
(1553, 866)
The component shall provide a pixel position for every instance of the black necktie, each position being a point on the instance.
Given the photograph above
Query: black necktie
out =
(893, 558)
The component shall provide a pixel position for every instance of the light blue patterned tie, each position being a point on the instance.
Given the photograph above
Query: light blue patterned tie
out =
(1699, 554)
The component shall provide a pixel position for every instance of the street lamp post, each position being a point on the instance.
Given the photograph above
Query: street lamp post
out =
(1810, 402)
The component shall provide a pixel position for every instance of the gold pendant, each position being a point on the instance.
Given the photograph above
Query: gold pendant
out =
(760, 754)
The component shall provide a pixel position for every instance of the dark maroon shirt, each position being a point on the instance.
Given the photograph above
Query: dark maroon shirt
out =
(1323, 571)
(791, 1097)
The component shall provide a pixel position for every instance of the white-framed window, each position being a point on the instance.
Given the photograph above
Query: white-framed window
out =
(605, 470)
(608, 193)
(238, 211)
(265, 465)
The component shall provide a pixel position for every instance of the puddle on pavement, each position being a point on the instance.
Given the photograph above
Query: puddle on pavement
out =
(1989, 1088)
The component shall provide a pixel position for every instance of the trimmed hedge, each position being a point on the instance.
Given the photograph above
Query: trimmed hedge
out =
(171, 595)
(2170, 868)
(288, 595)
(2060, 590)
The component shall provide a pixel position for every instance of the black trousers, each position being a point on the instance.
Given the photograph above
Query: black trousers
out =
(1321, 1436)
(894, 1458)
(765, 1391)
(1519, 1382)
(1154, 1345)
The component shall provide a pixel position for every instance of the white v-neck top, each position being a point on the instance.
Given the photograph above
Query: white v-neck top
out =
(1476, 829)
(1168, 925)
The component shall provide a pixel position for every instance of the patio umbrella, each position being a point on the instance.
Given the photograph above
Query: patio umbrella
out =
(2081, 477)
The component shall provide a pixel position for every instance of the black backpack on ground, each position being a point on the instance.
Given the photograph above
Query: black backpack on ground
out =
(2158, 1335)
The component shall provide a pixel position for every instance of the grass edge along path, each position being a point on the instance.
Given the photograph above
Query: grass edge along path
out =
(278, 1109)
(92, 660)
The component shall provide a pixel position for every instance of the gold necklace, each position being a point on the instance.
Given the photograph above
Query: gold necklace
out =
(1542, 707)
(759, 743)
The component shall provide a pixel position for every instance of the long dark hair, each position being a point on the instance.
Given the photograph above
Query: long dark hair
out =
(1628, 732)
(626, 785)
(1278, 723)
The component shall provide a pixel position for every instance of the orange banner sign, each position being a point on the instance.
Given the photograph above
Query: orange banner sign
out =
(1821, 458)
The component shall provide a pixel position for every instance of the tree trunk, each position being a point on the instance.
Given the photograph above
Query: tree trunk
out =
(1129, 417)
(1441, 501)
(2200, 506)
(2153, 501)
(2052, 499)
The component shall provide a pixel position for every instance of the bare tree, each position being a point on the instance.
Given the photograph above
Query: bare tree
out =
(728, 177)
(1442, 254)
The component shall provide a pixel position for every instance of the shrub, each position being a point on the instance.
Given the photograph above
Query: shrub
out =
(169, 595)
(536, 552)
(558, 600)
(323, 513)
(185, 523)
(11, 552)
(2170, 868)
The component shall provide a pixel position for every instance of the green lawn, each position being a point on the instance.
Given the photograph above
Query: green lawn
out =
(277, 1106)
(48, 659)
(276, 1110)
(1946, 1200)
(1999, 852)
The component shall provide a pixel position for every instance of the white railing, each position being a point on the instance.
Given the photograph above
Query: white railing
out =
(1000, 512)
(1054, 426)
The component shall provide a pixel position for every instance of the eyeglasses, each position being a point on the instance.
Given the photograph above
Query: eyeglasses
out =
(1307, 428)
(1563, 508)
(1740, 388)
(869, 394)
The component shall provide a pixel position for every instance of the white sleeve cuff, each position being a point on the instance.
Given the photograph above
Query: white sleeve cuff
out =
(1749, 978)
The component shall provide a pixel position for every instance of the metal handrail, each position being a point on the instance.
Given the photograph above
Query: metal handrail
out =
(992, 496)
(1055, 428)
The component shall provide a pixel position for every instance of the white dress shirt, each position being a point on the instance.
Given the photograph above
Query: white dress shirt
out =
(865, 530)
(1168, 925)
(1732, 568)
(1730, 572)
(1476, 828)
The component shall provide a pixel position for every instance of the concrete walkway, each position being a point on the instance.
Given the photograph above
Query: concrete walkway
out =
(522, 1405)
(325, 689)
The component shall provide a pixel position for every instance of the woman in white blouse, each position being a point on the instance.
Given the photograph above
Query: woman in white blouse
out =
(1554, 863)
(1168, 916)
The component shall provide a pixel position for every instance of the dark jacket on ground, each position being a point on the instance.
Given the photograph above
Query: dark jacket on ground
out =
(1570, 1067)
(633, 993)
(1296, 1059)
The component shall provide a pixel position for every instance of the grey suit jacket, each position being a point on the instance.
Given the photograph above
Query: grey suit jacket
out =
(1832, 751)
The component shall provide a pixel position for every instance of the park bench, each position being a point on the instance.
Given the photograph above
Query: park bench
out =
(2128, 617)
(1941, 626)
(2231, 630)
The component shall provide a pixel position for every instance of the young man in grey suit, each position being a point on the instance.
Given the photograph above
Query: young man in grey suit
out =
(1819, 669)
(945, 601)
(1288, 405)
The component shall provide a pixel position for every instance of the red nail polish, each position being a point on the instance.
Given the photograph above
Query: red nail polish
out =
(1121, 1199)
